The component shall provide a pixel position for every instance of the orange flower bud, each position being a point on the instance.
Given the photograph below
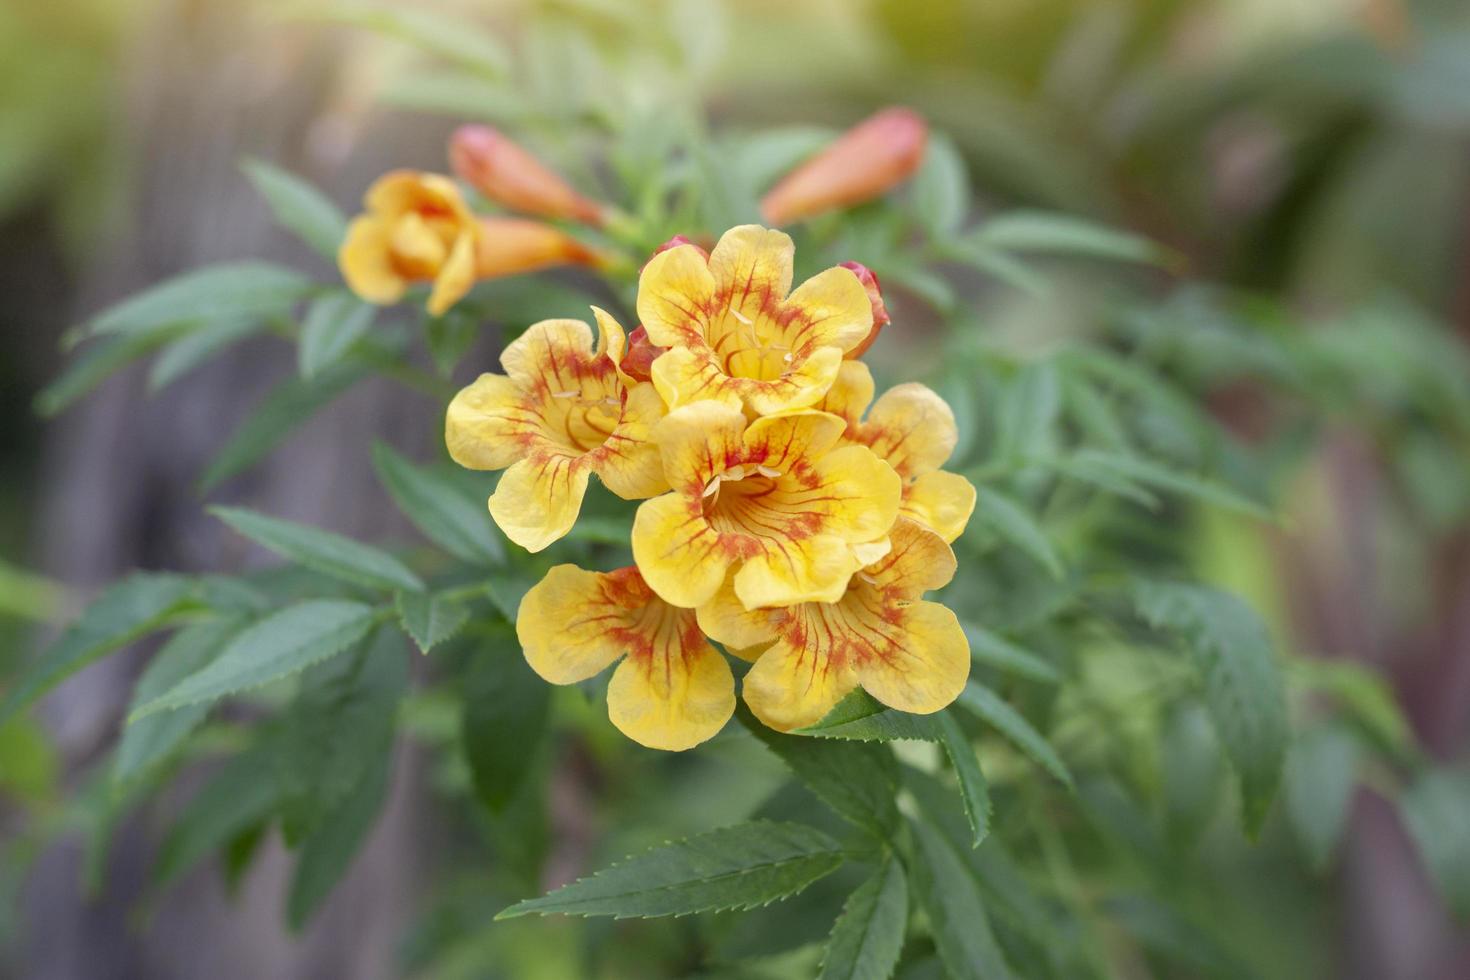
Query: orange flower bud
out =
(875, 297)
(505, 172)
(863, 163)
(638, 361)
(510, 246)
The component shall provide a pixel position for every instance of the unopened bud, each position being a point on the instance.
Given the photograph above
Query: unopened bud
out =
(863, 163)
(875, 297)
(641, 353)
(508, 174)
(510, 246)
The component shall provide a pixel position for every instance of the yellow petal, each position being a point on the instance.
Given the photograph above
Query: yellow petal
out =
(366, 261)
(726, 620)
(572, 623)
(850, 394)
(684, 376)
(782, 442)
(855, 491)
(402, 191)
(812, 569)
(794, 685)
(417, 247)
(912, 428)
(679, 554)
(941, 501)
(455, 277)
(699, 442)
(751, 266)
(612, 340)
(484, 428)
(831, 309)
(918, 561)
(538, 498)
(925, 663)
(550, 353)
(629, 462)
(675, 294)
(675, 695)
(800, 388)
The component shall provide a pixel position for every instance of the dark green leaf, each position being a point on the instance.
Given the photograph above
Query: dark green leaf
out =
(1435, 810)
(1011, 522)
(449, 337)
(941, 188)
(328, 852)
(229, 289)
(299, 207)
(198, 346)
(992, 650)
(1167, 933)
(948, 894)
(130, 609)
(278, 646)
(440, 509)
(860, 718)
(241, 794)
(1233, 656)
(868, 937)
(1321, 769)
(1192, 771)
(333, 323)
(505, 712)
(974, 790)
(1133, 469)
(1028, 412)
(982, 702)
(739, 867)
(328, 553)
(429, 620)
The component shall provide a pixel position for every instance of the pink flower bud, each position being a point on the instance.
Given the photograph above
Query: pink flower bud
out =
(507, 173)
(875, 297)
(863, 163)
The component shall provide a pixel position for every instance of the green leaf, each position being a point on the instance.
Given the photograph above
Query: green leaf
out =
(241, 794)
(333, 323)
(983, 703)
(328, 852)
(96, 364)
(949, 896)
(1232, 653)
(506, 707)
(325, 552)
(449, 337)
(1132, 468)
(29, 764)
(228, 289)
(1365, 695)
(941, 188)
(279, 415)
(198, 346)
(1028, 412)
(992, 650)
(868, 936)
(453, 39)
(147, 742)
(860, 718)
(1321, 769)
(26, 595)
(855, 779)
(1435, 809)
(278, 646)
(1011, 522)
(299, 207)
(739, 867)
(128, 610)
(974, 790)
(440, 509)
(429, 620)
(1161, 929)
(1059, 234)
(1192, 771)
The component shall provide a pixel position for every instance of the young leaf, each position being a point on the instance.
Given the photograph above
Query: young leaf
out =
(228, 289)
(941, 189)
(1059, 234)
(855, 779)
(129, 610)
(860, 718)
(429, 620)
(739, 867)
(198, 346)
(974, 790)
(333, 323)
(982, 702)
(992, 650)
(505, 712)
(278, 646)
(439, 509)
(948, 894)
(239, 795)
(328, 852)
(299, 207)
(1232, 653)
(1321, 769)
(1010, 521)
(1434, 809)
(328, 553)
(868, 937)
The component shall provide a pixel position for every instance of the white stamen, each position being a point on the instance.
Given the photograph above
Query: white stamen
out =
(867, 578)
(741, 317)
(565, 394)
(736, 472)
(787, 358)
(712, 488)
(768, 471)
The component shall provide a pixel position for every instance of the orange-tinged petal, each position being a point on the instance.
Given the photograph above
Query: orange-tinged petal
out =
(786, 571)
(699, 442)
(553, 353)
(537, 500)
(686, 375)
(455, 277)
(365, 262)
(512, 246)
(401, 192)
(912, 428)
(874, 289)
(752, 268)
(917, 562)
(676, 293)
(793, 685)
(831, 309)
(850, 394)
(505, 172)
(637, 363)
(863, 163)
(789, 441)
(570, 624)
(678, 695)
(921, 664)
(484, 428)
(743, 632)
(941, 501)
(629, 461)
(679, 554)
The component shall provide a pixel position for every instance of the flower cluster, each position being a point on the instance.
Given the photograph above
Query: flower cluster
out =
(782, 517)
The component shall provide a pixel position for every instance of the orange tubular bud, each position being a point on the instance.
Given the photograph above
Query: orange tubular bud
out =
(505, 172)
(875, 297)
(510, 246)
(638, 361)
(863, 163)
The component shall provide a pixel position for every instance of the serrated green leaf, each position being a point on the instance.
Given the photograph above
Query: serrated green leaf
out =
(328, 852)
(280, 414)
(1233, 655)
(199, 296)
(1321, 768)
(506, 707)
(1061, 234)
(949, 896)
(739, 867)
(438, 508)
(868, 936)
(1013, 524)
(1192, 771)
(147, 742)
(855, 779)
(429, 620)
(282, 644)
(992, 650)
(98, 362)
(239, 795)
(1132, 468)
(299, 207)
(984, 704)
(941, 188)
(333, 323)
(197, 346)
(860, 718)
(974, 790)
(1434, 808)
(331, 554)
(128, 610)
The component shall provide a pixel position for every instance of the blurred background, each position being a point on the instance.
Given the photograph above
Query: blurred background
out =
(1307, 159)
